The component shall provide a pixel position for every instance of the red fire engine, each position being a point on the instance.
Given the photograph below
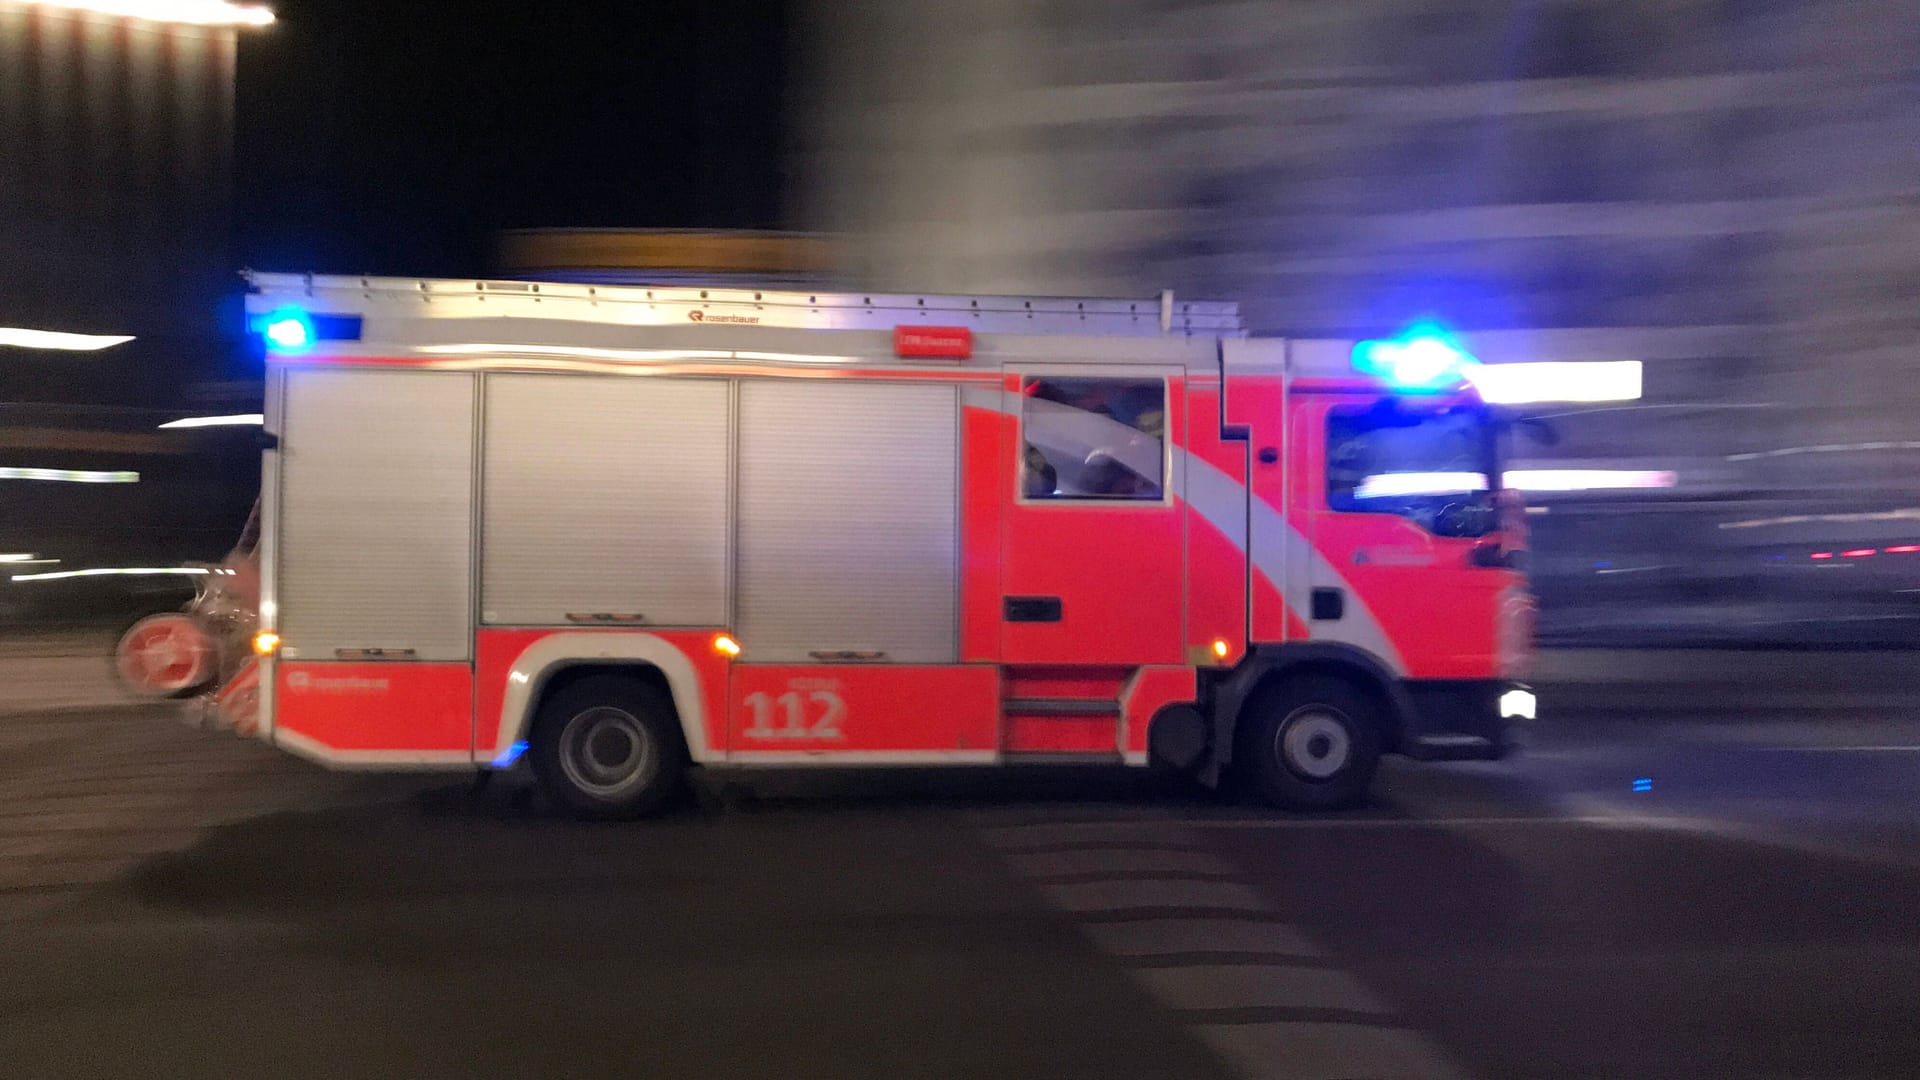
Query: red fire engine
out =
(626, 531)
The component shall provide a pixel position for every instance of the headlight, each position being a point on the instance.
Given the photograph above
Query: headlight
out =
(1517, 704)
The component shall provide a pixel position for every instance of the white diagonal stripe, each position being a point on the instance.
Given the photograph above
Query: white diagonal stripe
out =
(1208, 488)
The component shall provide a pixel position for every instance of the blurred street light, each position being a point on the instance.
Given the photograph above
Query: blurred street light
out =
(197, 12)
(1535, 382)
(116, 571)
(236, 420)
(70, 476)
(21, 338)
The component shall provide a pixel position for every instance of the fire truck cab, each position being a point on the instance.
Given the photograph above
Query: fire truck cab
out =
(627, 531)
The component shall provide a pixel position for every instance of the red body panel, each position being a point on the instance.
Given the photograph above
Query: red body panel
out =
(828, 708)
(376, 706)
(985, 482)
(1217, 590)
(1062, 734)
(1438, 609)
(1117, 572)
(1089, 683)
(1151, 690)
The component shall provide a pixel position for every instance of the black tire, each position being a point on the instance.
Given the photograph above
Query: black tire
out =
(1310, 743)
(608, 746)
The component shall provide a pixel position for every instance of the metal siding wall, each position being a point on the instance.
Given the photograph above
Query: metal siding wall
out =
(605, 494)
(848, 522)
(376, 513)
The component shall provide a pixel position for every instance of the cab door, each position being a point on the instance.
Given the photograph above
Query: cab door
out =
(1094, 545)
(1400, 513)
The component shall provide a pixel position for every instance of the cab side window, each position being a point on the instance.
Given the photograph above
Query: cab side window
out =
(1093, 439)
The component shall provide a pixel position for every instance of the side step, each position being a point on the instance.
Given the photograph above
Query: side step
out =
(1453, 748)
(1060, 729)
(1062, 757)
(1060, 707)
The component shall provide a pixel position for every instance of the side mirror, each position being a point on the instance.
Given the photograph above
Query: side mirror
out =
(1466, 519)
(1541, 431)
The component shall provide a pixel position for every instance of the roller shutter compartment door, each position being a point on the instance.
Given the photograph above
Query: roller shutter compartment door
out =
(605, 495)
(376, 509)
(847, 532)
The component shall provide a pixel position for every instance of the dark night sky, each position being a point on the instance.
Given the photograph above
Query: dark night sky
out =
(397, 138)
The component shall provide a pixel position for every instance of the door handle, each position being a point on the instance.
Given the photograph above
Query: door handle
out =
(1032, 609)
(1329, 604)
(605, 617)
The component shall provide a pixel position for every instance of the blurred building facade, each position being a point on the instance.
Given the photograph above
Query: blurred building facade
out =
(116, 139)
(116, 143)
(1723, 189)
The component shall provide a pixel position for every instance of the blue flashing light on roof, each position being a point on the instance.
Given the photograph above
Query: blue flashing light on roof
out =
(288, 329)
(1425, 357)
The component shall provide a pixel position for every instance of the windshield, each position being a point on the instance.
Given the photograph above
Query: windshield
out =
(1414, 462)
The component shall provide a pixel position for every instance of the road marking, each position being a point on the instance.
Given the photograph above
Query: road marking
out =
(1755, 833)
(1119, 861)
(1168, 937)
(1310, 1050)
(1268, 986)
(1159, 832)
(1888, 749)
(1412, 823)
(1100, 896)
(1214, 967)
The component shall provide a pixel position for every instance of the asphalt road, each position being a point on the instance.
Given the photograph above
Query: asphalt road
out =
(180, 903)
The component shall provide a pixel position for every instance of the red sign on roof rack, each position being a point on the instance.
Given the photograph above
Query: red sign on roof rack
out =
(941, 342)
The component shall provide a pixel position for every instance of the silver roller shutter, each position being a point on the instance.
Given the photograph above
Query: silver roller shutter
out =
(376, 504)
(605, 494)
(848, 520)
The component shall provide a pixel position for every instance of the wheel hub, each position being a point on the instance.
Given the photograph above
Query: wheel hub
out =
(1314, 743)
(604, 751)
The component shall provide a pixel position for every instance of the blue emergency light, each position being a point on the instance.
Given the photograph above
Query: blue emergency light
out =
(293, 329)
(288, 329)
(1425, 357)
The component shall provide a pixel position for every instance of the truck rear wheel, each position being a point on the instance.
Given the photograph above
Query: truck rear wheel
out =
(1310, 743)
(608, 746)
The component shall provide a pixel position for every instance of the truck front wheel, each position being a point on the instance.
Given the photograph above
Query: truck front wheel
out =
(608, 746)
(1310, 743)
